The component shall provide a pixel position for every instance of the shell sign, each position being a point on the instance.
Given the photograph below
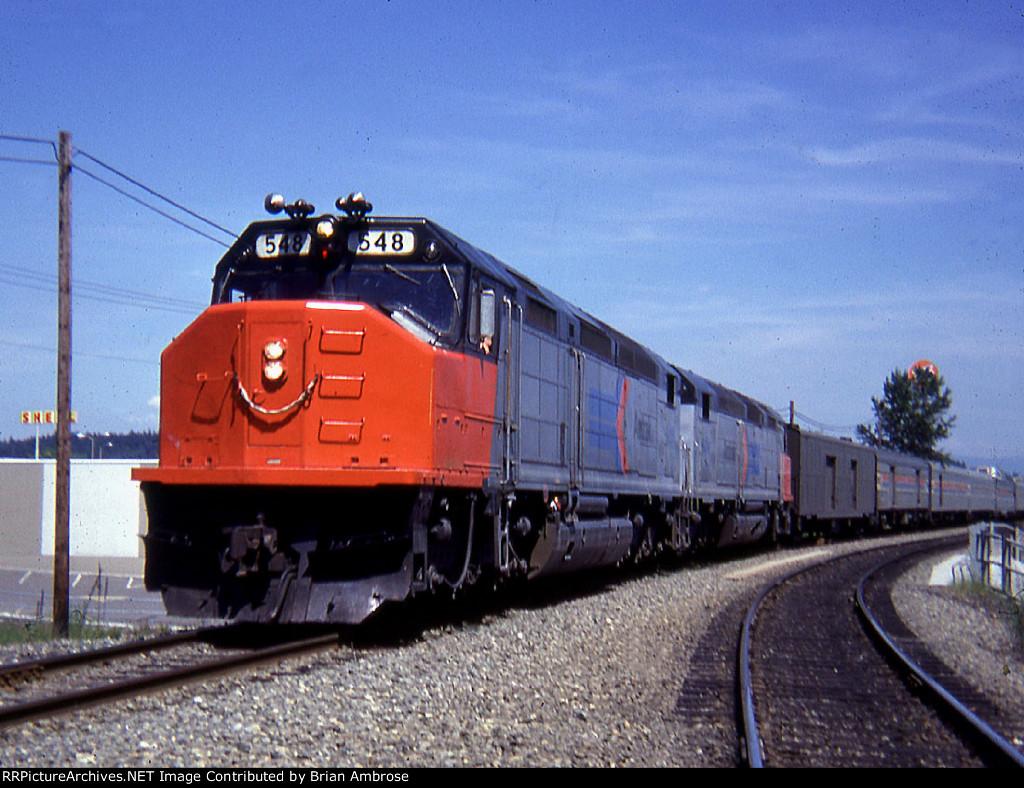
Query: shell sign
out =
(43, 416)
(923, 365)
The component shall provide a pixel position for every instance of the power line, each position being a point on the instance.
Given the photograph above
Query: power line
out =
(153, 208)
(14, 138)
(845, 428)
(36, 140)
(123, 192)
(156, 194)
(18, 160)
(34, 280)
(83, 353)
(32, 140)
(102, 288)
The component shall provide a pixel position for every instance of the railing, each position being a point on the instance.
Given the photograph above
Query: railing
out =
(997, 552)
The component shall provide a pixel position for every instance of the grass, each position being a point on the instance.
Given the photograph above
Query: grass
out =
(16, 631)
(993, 600)
(984, 595)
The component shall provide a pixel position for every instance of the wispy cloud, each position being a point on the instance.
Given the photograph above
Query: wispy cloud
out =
(909, 149)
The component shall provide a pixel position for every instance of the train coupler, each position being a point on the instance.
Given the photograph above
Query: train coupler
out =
(251, 549)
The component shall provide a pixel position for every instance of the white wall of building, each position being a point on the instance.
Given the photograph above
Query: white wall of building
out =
(107, 511)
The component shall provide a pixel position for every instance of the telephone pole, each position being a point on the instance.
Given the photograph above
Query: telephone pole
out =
(62, 517)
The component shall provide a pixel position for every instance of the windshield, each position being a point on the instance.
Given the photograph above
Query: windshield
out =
(426, 299)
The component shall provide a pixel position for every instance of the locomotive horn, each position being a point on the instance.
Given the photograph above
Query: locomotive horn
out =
(355, 205)
(274, 203)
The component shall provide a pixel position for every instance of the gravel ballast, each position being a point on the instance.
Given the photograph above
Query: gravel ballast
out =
(976, 632)
(591, 680)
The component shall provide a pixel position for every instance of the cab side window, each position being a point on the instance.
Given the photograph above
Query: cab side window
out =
(484, 318)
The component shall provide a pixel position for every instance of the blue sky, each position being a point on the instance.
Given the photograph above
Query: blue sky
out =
(791, 198)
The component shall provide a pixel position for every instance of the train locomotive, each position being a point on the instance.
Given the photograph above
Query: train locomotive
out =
(373, 409)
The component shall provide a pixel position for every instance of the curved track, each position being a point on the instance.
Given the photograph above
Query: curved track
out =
(822, 693)
(969, 710)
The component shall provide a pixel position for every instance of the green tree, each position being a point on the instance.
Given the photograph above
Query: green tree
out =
(912, 415)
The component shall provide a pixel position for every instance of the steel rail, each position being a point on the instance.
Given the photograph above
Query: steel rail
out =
(749, 731)
(13, 671)
(67, 702)
(754, 749)
(980, 731)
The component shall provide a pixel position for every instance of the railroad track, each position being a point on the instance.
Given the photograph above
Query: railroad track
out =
(816, 691)
(55, 685)
(985, 725)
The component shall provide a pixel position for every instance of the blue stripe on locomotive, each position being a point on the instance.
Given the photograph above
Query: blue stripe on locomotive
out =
(753, 460)
(602, 432)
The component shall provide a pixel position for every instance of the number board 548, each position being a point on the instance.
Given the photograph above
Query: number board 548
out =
(382, 242)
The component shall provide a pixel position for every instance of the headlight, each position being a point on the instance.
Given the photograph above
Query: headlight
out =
(273, 371)
(273, 360)
(325, 228)
(273, 350)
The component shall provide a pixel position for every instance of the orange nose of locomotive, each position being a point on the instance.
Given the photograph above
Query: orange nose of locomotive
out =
(318, 393)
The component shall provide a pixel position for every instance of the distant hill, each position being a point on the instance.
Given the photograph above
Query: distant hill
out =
(123, 445)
